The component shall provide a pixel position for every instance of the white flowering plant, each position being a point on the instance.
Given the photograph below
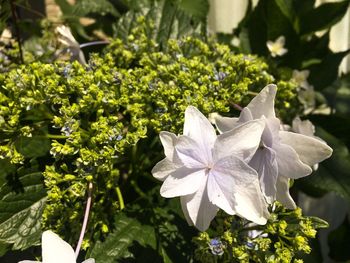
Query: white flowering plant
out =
(166, 145)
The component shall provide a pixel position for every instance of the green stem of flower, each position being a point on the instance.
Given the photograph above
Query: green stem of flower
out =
(85, 221)
(55, 136)
(120, 198)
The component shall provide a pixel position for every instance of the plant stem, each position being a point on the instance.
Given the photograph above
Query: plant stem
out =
(94, 43)
(14, 16)
(120, 198)
(86, 217)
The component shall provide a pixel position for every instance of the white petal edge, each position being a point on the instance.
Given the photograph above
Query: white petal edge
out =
(242, 141)
(225, 124)
(168, 140)
(283, 195)
(198, 127)
(163, 169)
(264, 102)
(200, 210)
(55, 249)
(240, 185)
(310, 150)
(183, 181)
(190, 154)
(289, 163)
(89, 260)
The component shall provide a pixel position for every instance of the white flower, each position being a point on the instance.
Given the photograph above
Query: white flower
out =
(300, 78)
(209, 172)
(56, 250)
(68, 40)
(282, 154)
(276, 47)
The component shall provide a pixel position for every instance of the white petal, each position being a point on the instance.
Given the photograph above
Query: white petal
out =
(185, 210)
(163, 168)
(289, 164)
(90, 260)
(283, 195)
(29, 261)
(224, 124)
(271, 131)
(198, 127)
(168, 140)
(190, 153)
(265, 163)
(264, 102)
(310, 150)
(242, 141)
(55, 249)
(245, 116)
(240, 185)
(200, 210)
(303, 127)
(183, 181)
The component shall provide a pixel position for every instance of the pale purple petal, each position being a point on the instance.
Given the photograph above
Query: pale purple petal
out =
(304, 127)
(200, 210)
(55, 249)
(265, 163)
(264, 103)
(239, 184)
(245, 116)
(190, 153)
(163, 168)
(183, 181)
(310, 150)
(282, 194)
(225, 124)
(185, 210)
(289, 163)
(198, 127)
(271, 131)
(168, 140)
(242, 141)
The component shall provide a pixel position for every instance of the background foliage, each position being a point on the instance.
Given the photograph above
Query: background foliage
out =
(64, 124)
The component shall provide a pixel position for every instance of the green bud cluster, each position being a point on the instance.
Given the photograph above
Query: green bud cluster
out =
(83, 120)
(285, 236)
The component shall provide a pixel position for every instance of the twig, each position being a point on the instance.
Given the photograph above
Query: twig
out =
(86, 217)
(14, 16)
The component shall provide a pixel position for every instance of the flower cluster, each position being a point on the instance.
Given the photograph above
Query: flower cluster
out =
(240, 171)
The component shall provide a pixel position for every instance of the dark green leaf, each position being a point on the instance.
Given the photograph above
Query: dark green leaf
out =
(21, 210)
(86, 7)
(195, 8)
(338, 241)
(127, 232)
(287, 8)
(325, 73)
(33, 146)
(333, 174)
(323, 17)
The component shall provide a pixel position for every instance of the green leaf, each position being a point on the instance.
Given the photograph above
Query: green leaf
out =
(33, 146)
(21, 210)
(324, 74)
(318, 222)
(332, 174)
(338, 241)
(287, 9)
(102, 7)
(128, 232)
(195, 8)
(323, 17)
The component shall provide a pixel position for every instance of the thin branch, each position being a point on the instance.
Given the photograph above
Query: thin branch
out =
(15, 20)
(86, 217)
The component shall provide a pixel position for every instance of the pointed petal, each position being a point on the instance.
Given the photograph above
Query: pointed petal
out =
(183, 181)
(224, 124)
(163, 169)
(245, 116)
(265, 163)
(239, 184)
(200, 210)
(185, 210)
(168, 140)
(282, 194)
(264, 102)
(242, 141)
(289, 164)
(190, 153)
(303, 127)
(271, 131)
(198, 127)
(310, 150)
(55, 249)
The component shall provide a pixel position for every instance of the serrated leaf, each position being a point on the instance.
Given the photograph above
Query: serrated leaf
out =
(323, 17)
(195, 8)
(86, 7)
(127, 232)
(21, 210)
